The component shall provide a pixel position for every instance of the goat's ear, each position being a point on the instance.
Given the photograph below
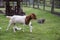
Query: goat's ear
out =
(32, 13)
(32, 16)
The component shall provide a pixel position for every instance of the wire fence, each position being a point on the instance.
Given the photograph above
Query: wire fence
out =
(48, 5)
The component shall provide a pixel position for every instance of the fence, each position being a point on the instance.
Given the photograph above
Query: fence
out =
(48, 5)
(52, 6)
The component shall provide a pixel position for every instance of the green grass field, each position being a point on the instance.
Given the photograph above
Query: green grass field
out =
(50, 30)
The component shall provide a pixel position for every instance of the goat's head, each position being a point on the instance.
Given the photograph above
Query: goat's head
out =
(33, 16)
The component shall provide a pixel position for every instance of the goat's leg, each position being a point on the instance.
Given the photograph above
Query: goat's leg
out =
(8, 26)
(14, 28)
(30, 25)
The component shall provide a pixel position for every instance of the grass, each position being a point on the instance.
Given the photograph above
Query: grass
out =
(50, 30)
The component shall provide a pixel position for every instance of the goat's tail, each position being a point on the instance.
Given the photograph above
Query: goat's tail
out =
(9, 17)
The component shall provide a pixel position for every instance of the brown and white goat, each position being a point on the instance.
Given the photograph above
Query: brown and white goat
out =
(25, 20)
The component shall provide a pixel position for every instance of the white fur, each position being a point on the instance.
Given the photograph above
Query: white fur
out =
(17, 19)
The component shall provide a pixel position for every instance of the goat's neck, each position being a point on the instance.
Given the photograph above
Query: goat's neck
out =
(27, 20)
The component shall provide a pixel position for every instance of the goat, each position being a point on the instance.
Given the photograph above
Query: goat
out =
(25, 20)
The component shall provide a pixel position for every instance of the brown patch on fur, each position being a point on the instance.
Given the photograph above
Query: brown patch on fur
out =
(28, 18)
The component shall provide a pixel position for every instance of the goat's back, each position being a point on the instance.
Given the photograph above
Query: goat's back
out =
(19, 19)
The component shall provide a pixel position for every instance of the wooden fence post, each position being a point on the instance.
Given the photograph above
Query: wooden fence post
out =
(52, 8)
(33, 3)
(29, 3)
(44, 4)
(26, 3)
(38, 4)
